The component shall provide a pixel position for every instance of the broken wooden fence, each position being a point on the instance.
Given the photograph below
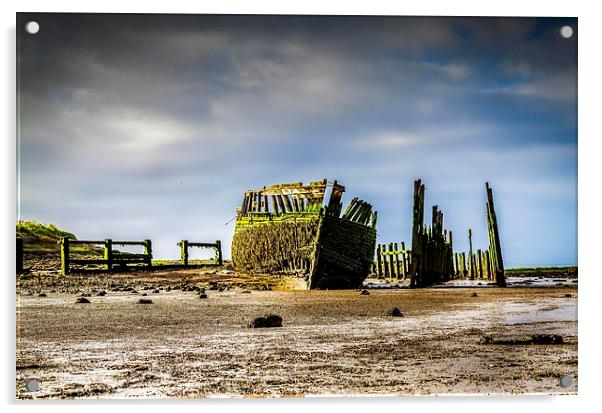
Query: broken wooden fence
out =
(392, 262)
(432, 256)
(488, 264)
(111, 257)
(185, 245)
(477, 268)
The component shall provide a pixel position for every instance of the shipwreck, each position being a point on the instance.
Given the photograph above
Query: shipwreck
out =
(297, 232)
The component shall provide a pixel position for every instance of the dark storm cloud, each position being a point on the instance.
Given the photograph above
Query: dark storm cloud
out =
(153, 125)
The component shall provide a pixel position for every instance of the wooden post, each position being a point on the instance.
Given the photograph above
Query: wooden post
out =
(148, 250)
(471, 271)
(392, 261)
(109, 254)
(494, 240)
(486, 263)
(183, 251)
(19, 251)
(404, 261)
(65, 256)
(378, 261)
(385, 263)
(218, 253)
(417, 272)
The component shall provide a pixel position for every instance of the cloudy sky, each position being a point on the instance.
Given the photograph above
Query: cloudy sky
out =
(152, 126)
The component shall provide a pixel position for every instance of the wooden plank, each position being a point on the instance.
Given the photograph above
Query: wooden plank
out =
(275, 207)
(87, 261)
(289, 204)
(348, 209)
(202, 244)
(85, 242)
(128, 242)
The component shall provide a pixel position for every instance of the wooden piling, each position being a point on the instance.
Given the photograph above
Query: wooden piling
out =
(218, 253)
(494, 240)
(19, 251)
(148, 251)
(184, 251)
(108, 255)
(65, 256)
(471, 271)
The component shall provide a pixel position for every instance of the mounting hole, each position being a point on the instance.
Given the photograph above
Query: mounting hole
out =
(32, 385)
(566, 381)
(566, 32)
(32, 27)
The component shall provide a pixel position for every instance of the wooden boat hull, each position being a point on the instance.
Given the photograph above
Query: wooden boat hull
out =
(321, 251)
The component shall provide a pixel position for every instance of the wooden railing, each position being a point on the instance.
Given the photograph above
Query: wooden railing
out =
(111, 257)
(392, 262)
(185, 245)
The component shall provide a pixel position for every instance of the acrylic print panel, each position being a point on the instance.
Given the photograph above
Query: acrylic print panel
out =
(228, 205)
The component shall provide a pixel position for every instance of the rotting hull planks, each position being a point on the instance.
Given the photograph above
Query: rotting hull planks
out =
(324, 252)
(289, 230)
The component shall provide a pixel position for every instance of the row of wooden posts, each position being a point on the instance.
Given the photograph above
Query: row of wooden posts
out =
(479, 267)
(431, 259)
(116, 259)
(391, 261)
(432, 250)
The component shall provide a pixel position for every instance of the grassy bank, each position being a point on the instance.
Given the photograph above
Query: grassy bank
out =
(39, 238)
(550, 271)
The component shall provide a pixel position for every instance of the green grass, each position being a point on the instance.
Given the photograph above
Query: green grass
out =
(550, 271)
(543, 268)
(37, 231)
(39, 238)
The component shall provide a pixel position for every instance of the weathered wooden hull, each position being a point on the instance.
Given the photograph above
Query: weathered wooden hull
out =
(321, 251)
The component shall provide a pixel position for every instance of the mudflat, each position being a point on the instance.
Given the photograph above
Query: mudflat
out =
(331, 342)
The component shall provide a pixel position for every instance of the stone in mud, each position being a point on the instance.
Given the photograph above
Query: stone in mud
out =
(266, 321)
(144, 294)
(568, 295)
(203, 295)
(474, 295)
(145, 301)
(101, 293)
(42, 294)
(82, 300)
(394, 312)
(156, 291)
(364, 292)
(526, 340)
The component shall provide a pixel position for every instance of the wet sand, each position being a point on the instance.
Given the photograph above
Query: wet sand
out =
(331, 342)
